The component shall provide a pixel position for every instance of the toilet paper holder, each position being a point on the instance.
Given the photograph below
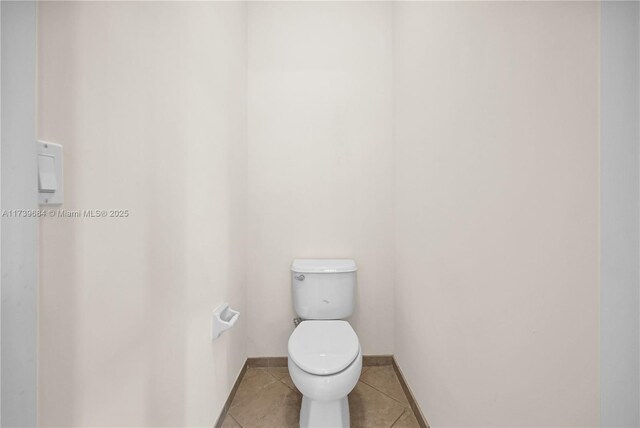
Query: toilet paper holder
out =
(223, 319)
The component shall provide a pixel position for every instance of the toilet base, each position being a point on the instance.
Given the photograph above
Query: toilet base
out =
(324, 414)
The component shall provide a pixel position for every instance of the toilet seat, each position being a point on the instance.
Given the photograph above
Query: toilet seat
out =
(323, 347)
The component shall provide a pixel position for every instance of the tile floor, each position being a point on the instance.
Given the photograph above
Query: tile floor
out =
(267, 398)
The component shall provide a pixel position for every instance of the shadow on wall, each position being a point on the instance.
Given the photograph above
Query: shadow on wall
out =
(148, 100)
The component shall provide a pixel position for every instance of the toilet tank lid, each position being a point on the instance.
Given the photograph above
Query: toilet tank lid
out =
(323, 265)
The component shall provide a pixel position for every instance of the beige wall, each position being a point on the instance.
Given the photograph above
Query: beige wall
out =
(148, 100)
(451, 149)
(496, 138)
(320, 160)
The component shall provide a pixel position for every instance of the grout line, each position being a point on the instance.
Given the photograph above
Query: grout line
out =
(296, 391)
(387, 395)
(282, 382)
(266, 369)
(274, 376)
(260, 387)
(279, 380)
(231, 416)
(397, 419)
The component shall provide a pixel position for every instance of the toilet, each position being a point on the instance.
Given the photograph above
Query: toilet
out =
(325, 359)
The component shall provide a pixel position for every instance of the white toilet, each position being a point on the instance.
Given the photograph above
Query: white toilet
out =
(325, 359)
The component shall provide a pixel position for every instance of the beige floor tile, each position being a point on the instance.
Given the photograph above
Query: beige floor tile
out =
(229, 422)
(384, 379)
(274, 405)
(278, 372)
(267, 398)
(407, 420)
(372, 409)
(363, 371)
(287, 381)
(254, 380)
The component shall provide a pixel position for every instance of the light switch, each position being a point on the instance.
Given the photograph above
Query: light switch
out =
(50, 180)
(47, 174)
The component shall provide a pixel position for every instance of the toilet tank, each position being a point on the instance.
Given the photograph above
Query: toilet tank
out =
(323, 289)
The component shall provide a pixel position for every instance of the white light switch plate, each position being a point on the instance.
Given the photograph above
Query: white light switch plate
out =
(50, 178)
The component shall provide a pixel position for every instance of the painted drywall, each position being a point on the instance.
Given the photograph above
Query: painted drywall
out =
(19, 233)
(451, 149)
(496, 162)
(320, 160)
(148, 100)
(619, 197)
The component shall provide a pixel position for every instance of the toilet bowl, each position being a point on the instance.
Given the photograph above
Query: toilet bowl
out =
(325, 362)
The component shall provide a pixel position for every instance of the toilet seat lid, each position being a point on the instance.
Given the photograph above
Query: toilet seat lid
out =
(323, 347)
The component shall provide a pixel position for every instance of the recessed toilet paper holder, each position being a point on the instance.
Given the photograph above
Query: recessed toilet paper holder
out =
(223, 319)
